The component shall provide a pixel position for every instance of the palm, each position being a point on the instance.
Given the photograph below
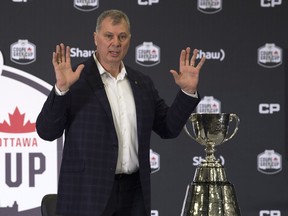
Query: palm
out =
(188, 76)
(65, 76)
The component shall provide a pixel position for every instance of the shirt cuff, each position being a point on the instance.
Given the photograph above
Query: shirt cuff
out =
(195, 95)
(60, 93)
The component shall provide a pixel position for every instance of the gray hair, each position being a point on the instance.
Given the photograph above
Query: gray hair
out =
(116, 15)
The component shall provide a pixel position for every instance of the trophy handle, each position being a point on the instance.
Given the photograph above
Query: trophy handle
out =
(186, 130)
(237, 121)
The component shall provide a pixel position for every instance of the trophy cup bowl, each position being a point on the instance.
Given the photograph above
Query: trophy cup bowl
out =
(210, 193)
(211, 130)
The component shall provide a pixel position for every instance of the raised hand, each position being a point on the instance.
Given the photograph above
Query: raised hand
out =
(188, 76)
(65, 76)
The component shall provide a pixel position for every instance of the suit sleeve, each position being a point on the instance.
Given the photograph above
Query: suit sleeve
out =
(169, 121)
(51, 121)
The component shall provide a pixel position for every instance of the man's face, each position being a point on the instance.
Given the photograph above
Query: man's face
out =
(112, 42)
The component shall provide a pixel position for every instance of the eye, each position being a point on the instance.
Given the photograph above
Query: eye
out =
(123, 37)
(109, 36)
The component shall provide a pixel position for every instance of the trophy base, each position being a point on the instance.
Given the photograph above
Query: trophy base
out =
(206, 199)
(210, 194)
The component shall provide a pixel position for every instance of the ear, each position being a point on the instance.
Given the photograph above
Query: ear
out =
(95, 38)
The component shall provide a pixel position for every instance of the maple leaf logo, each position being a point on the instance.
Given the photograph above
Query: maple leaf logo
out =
(17, 124)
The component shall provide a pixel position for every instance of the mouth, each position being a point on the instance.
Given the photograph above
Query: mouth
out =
(114, 53)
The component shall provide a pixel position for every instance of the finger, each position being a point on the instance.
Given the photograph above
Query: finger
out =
(193, 59)
(56, 55)
(200, 64)
(57, 58)
(79, 70)
(68, 55)
(54, 59)
(182, 58)
(187, 56)
(62, 52)
(175, 74)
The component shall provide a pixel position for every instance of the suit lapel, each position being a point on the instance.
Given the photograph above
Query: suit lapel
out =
(135, 83)
(95, 82)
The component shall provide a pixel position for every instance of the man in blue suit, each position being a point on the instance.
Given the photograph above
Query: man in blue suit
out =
(107, 112)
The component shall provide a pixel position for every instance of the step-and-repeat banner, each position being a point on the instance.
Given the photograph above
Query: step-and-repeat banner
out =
(245, 43)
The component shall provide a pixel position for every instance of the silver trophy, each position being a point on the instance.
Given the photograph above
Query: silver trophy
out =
(210, 193)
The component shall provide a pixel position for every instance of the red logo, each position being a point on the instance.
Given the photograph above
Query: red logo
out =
(17, 124)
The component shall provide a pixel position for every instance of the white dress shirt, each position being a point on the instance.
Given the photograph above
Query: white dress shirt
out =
(123, 109)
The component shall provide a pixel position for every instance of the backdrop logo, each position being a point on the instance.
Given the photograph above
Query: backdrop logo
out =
(23, 52)
(269, 162)
(154, 213)
(147, 54)
(198, 159)
(154, 161)
(209, 104)
(270, 3)
(147, 2)
(213, 55)
(86, 5)
(209, 6)
(77, 52)
(16, 125)
(269, 56)
(28, 164)
(19, 1)
(269, 108)
(269, 213)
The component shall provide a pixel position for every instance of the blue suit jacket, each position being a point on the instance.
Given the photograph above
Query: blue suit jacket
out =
(91, 145)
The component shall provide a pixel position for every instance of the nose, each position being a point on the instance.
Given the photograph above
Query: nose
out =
(116, 42)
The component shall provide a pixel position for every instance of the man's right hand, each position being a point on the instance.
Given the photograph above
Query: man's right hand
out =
(65, 76)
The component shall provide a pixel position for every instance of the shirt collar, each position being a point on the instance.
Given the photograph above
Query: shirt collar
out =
(102, 71)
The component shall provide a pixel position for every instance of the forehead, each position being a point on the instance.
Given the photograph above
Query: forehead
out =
(108, 24)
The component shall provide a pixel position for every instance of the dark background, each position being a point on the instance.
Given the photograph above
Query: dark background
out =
(239, 82)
